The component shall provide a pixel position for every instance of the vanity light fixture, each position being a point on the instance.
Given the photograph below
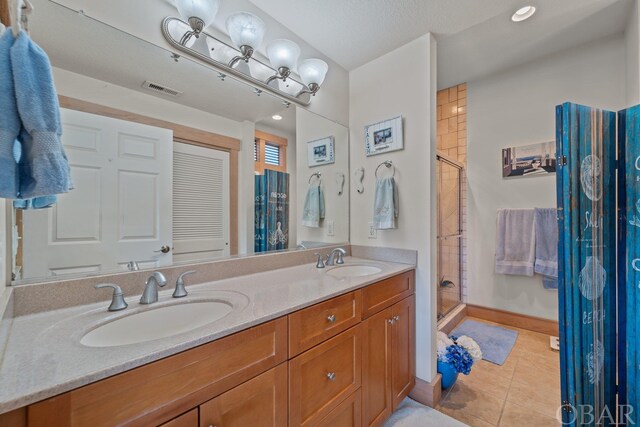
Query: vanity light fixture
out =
(283, 55)
(276, 117)
(238, 58)
(523, 13)
(198, 13)
(246, 31)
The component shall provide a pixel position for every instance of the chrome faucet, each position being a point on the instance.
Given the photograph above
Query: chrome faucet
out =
(150, 294)
(332, 260)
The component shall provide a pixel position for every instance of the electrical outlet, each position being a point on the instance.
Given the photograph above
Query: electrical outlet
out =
(331, 228)
(373, 233)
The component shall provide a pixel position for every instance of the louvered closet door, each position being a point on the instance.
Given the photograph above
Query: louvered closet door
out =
(200, 203)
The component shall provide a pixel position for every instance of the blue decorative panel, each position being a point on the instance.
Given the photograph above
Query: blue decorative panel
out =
(629, 263)
(586, 144)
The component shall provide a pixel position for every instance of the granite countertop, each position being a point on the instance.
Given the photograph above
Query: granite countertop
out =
(43, 355)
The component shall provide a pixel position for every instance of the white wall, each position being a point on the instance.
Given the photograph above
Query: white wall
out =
(402, 82)
(142, 18)
(632, 39)
(517, 107)
(311, 127)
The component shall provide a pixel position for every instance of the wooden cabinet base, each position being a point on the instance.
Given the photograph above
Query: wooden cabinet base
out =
(347, 414)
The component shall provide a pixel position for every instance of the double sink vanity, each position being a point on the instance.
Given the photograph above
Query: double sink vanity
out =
(297, 346)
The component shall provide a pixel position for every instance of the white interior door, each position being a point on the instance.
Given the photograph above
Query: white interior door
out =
(120, 208)
(200, 203)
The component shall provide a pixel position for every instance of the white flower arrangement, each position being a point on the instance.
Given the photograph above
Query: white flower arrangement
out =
(471, 346)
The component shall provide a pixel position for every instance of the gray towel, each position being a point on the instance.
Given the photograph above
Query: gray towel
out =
(546, 264)
(385, 205)
(515, 242)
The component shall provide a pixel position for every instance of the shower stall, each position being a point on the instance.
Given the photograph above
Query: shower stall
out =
(450, 232)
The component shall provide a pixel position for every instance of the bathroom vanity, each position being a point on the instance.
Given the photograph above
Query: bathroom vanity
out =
(340, 351)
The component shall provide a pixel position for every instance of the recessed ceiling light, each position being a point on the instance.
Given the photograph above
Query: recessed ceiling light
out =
(276, 117)
(523, 13)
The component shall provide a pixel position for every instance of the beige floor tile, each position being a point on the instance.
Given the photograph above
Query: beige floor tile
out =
(471, 402)
(536, 377)
(518, 416)
(464, 417)
(484, 381)
(545, 400)
(506, 370)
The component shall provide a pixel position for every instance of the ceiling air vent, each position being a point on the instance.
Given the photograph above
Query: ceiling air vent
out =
(155, 87)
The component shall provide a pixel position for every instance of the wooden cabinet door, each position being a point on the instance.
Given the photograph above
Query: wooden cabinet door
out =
(347, 414)
(403, 349)
(190, 419)
(260, 402)
(376, 368)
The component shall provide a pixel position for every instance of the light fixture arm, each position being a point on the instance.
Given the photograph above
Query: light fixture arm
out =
(178, 41)
(312, 89)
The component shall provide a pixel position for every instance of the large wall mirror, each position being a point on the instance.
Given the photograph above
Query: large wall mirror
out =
(172, 162)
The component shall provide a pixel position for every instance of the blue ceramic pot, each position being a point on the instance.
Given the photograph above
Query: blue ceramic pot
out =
(449, 374)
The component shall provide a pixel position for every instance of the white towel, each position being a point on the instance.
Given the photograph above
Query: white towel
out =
(515, 242)
(385, 205)
(313, 211)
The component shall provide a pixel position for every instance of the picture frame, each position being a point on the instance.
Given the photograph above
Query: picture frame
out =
(383, 137)
(529, 160)
(321, 152)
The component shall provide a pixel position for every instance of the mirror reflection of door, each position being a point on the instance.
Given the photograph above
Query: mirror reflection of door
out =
(117, 211)
(200, 203)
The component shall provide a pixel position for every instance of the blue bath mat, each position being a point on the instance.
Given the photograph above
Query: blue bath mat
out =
(495, 342)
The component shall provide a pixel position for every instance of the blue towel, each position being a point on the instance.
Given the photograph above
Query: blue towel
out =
(313, 211)
(35, 203)
(44, 169)
(9, 122)
(385, 205)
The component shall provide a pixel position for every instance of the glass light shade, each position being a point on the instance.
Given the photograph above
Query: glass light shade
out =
(313, 71)
(246, 29)
(202, 9)
(283, 53)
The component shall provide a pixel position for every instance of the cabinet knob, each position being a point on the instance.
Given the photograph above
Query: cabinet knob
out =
(391, 321)
(331, 376)
(396, 318)
(331, 318)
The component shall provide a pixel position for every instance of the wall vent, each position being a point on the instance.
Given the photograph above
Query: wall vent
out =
(155, 87)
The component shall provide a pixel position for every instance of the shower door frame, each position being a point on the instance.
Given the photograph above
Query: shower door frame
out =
(441, 157)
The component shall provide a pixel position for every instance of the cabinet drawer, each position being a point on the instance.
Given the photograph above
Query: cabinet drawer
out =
(260, 402)
(157, 392)
(387, 292)
(190, 419)
(347, 414)
(312, 325)
(321, 378)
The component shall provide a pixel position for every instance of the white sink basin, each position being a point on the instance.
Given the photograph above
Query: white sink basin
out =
(156, 323)
(354, 271)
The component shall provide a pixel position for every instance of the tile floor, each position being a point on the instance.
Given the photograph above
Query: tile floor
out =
(525, 391)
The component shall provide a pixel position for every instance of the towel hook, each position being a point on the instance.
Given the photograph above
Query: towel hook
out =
(18, 15)
(317, 174)
(388, 164)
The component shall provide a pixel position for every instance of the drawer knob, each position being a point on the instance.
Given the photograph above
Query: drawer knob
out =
(331, 318)
(331, 376)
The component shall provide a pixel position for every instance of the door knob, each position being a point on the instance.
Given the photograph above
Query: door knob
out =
(165, 249)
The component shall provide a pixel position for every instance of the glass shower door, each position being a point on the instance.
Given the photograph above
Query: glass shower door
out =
(449, 235)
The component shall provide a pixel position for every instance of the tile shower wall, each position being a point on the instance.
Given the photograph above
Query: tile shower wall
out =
(452, 141)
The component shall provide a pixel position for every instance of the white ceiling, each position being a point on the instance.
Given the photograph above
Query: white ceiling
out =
(354, 32)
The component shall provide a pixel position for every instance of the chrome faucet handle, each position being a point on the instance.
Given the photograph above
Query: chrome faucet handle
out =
(117, 300)
(320, 263)
(340, 259)
(180, 290)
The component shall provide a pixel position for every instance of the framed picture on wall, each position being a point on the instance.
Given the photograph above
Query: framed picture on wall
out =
(384, 137)
(321, 152)
(529, 160)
